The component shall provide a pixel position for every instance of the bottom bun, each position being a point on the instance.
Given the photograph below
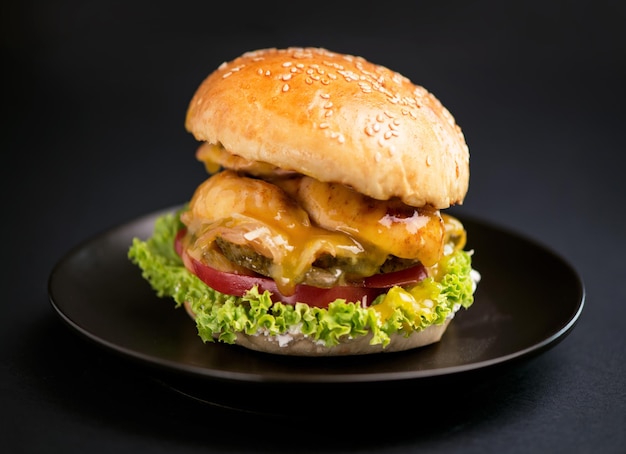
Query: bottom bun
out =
(302, 345)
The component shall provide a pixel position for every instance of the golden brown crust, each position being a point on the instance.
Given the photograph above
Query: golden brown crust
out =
(336, 118)
(300, 345)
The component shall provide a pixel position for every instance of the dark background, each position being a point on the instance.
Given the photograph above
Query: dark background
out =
(94, 99)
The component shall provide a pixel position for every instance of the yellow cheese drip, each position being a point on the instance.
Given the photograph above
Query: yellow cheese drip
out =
(400, 230)
(298, 220)
(259, 215)
(420, 299)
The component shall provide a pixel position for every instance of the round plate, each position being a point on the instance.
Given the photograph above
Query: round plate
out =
(98, 292)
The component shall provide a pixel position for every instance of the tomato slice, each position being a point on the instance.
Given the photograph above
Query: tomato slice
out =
(407, 276)
(363, 292)
(239, 284)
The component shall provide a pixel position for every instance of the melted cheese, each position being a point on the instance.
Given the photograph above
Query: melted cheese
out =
(398, 229)
(259, 215)
(215, 157)
(296, 220)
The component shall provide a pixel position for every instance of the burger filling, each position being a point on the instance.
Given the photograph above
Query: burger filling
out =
(342, 264)
(297, 230)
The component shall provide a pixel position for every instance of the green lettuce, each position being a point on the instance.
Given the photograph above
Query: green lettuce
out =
(221, 317)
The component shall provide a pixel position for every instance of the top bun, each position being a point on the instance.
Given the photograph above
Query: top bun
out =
(336, 118)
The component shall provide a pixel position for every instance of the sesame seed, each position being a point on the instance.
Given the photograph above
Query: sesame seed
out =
(366, 89)
(377, 157)
(328, 105)
(301, 54)
(325, 95)
(259, 71)
(286, 87)
(286, 76)
(387, 135)
(349, 75)
(329, 113)
(369, 131)
(287, 64)
(308, 80)
(324, 125)
(225, 75)
(376, 127)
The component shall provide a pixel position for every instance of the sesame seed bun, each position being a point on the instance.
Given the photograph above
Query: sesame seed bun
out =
(336, 118)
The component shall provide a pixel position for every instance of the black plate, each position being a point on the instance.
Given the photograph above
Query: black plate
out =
(100, 294)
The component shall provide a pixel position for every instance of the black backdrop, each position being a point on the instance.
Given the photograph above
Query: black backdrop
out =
(94, 98)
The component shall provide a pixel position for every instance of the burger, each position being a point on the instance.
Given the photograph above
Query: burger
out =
(319, 230)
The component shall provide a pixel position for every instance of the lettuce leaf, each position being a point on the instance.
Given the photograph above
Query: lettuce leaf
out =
(221, 317)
